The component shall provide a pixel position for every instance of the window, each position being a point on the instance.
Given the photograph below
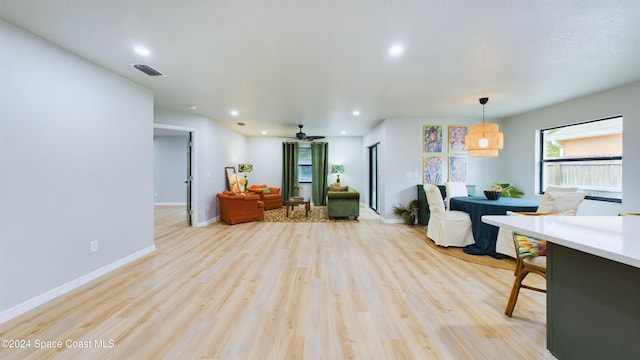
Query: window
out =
(587, 156)
(304, 164)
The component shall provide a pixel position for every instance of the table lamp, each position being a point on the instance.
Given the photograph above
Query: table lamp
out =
(245, 169)
(337, 169)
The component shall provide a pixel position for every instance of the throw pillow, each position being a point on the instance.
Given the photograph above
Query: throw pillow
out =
(558, 202)
(337, 187)
(529, 246)
(265, 191)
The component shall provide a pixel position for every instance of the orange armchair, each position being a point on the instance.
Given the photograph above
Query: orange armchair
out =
(272, 200)
(236, 209)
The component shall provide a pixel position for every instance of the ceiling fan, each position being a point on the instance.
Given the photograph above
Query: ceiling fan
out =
(304, 137)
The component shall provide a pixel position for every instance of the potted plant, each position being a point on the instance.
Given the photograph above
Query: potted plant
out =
(509, 191)
(408, 213)
(295, 190)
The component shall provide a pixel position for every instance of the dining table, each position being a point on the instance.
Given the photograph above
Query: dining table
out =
(485, 235)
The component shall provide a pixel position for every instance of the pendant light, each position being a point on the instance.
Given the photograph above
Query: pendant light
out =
(484, 140)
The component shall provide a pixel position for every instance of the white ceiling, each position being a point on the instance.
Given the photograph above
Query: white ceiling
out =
(286, 62)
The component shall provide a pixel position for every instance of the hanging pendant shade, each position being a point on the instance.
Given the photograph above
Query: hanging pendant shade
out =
(489, 131)
(483, 153)
(484, 140)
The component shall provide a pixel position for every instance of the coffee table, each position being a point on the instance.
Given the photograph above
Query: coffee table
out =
(304, 201)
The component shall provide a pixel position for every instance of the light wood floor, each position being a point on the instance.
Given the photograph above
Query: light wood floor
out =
(363, 290)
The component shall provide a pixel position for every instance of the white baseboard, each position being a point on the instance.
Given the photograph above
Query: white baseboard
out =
(391, 221)
(70, 286)
(170, 204)
(208, 222)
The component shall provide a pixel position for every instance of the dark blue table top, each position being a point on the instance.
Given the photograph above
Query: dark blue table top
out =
(503, 201)
(485, 234)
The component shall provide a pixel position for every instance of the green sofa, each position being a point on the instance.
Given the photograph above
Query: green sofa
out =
(343, 203)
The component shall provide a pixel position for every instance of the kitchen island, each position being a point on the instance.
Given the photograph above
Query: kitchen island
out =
(593, 282)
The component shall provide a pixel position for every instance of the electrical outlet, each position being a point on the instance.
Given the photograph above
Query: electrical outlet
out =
(93, 246)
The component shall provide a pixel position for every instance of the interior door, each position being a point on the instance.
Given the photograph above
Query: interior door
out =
(374, 195)
(189, 179)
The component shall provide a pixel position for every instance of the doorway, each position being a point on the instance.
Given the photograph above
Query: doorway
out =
(374, 172)
(182, 185)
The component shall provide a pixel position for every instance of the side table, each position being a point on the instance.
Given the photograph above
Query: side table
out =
(299, 201)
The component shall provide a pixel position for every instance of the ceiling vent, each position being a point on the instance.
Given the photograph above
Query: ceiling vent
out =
(148, 70)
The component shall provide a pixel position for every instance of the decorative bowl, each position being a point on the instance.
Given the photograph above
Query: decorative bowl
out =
(492, 195)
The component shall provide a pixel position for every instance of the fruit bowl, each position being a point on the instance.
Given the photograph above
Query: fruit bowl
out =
(492, 195)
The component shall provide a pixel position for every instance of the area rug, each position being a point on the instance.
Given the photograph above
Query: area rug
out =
(486, 260)
(316, 214)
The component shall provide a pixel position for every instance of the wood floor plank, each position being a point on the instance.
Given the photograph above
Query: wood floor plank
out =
(364, 290)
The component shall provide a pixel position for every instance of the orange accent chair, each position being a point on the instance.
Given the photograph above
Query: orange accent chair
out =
(273, 200)
(240, 208)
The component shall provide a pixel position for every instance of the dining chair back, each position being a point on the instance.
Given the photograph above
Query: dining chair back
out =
(446, 228)
(435, 202)
(558, 202)
(455, 189)
(531, 258)
(552, 188)
(553, 202)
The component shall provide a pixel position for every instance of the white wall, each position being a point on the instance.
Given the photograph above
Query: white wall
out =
(170, 169)
(215, 147)
(401, 142)
(265, 153)
(520, 144)
(347, 151)
(76, 165)
(218, 147)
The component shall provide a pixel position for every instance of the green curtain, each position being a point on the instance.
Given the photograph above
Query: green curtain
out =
(289, 169)
(320, 171)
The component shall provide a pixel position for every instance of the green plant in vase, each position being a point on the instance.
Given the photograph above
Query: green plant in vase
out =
(408, 213)
(509, 191)
(295, 191)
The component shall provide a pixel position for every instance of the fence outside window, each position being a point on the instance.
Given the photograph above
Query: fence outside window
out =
(587, 156)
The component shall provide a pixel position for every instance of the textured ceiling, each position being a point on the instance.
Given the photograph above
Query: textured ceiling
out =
(286, 62)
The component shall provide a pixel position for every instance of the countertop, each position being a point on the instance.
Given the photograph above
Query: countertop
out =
(615, 238)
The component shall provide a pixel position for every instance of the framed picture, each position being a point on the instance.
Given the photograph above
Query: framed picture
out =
(232, 178)
(458, 168)
(432, 166)
(432, 135)
(456, 138)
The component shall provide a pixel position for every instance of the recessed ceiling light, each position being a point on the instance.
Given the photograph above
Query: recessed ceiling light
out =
(192, 107)
(356, 112)
(264, 132)
(396, 50)
(343, 132)
(142, 51)
(234, 113)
